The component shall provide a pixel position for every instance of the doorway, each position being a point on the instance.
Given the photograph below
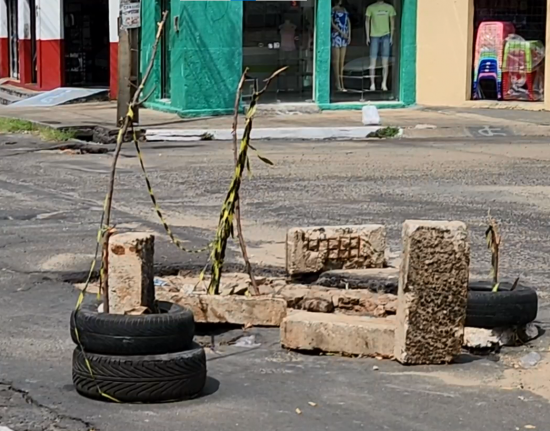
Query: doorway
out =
(34, 70)
(86, 43)
(368, 67)
(278, 34)
(509, 49)
(165, 65)
(13, 37)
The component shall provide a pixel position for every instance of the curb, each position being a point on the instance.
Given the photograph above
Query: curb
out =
(281, 133)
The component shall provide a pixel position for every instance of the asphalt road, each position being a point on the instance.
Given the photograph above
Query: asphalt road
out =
(50, 205)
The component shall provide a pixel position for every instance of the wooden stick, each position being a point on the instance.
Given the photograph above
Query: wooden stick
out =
(128, 121)
(254, 286)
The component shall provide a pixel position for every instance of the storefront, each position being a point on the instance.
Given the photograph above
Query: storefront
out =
(331, 62)
(46, 44)
(485, 53)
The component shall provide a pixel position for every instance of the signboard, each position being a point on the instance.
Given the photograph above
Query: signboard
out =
(130, 15)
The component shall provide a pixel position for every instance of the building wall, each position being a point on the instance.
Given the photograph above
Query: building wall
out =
(114, 9)
(4, 45)
(445, 53)
(50, 52)
(206, 56)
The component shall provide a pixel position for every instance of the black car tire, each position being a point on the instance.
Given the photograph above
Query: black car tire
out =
(170, 331)
(141, 379)
(505, 307)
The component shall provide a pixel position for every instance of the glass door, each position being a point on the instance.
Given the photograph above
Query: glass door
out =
(365, 44)
(278, 34)
(13, 38)
(165, 65)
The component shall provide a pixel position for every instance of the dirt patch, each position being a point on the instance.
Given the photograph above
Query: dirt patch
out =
(511, 378)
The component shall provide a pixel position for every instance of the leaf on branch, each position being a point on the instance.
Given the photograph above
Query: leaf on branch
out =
(265, 160)
(495, 287)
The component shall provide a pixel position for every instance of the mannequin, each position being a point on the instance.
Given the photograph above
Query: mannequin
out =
(380, 28)
(340, 39)
(287, 50)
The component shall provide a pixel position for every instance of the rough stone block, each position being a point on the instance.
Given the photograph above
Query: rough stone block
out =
(131, 272)
(433, 291)
(338, 333)
(315, 249)
(380, 280)
(239, 310)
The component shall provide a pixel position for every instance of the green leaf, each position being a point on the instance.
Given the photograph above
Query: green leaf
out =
(266, 161)
(248, 168)
(495, 287)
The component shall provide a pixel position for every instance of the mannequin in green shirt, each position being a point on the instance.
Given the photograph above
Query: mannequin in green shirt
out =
(380, 28)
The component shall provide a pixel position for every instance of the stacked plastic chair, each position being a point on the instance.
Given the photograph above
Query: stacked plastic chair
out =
(489, 51)
(522, 71)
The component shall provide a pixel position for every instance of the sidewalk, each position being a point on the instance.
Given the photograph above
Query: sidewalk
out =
(422, 123)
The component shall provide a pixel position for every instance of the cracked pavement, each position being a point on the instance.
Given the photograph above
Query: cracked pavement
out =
(50, 204)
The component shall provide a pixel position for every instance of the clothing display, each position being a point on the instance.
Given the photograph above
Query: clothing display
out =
(288, 35)
(340, 39)
(380, 45)
(380, 27)
(341, 19)
(379, 14)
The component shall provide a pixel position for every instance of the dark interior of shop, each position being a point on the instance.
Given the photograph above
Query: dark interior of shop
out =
(357, 64)
(277, 34)
(86, 43)
(527, 22)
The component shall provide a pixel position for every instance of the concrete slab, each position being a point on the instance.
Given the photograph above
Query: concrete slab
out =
(338, 333)
(234, 309)
(61, 96)
(296, 133)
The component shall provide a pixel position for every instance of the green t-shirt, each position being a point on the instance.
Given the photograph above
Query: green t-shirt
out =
(379, 15)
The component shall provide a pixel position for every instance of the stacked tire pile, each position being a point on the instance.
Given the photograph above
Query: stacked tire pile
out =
(145, 358)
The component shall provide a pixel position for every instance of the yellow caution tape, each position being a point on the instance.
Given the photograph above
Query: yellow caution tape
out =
(177, 242)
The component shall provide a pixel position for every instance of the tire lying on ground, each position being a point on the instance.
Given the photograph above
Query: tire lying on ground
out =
(170, 331)
(144, 379)
(505, 307)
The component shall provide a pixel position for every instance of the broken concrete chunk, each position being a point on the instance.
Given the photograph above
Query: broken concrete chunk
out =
(381, 280)
(131, 272)
(433, 291)
(239, 310)
(317, 305)
(338, 333)
(315, 249)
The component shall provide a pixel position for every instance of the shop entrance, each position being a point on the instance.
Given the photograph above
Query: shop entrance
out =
(165, 65)
(509, 50)
(13, 37)
(34, 71)
(86, 43)
(365, 48)
(278, 34)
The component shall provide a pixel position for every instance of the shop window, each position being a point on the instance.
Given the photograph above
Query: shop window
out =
(509, 50)
(277, 34)
(365, 40)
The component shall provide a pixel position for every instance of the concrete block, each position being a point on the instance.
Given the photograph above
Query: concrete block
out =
(131, 272)
(338, 333)
(239, 310)
(380, 280)
(315, 249)
(433, 291)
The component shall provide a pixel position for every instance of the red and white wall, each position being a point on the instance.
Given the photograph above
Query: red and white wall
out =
(4, 45)
(50, 61)
(114, 8)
